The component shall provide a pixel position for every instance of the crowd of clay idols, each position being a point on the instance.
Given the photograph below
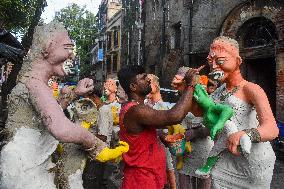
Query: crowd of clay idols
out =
(215, 136)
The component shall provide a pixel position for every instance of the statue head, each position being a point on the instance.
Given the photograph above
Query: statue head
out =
(86, 110)
(110, 86)
(155, 86)
(178, 83)
(51, 45)
(223, 58)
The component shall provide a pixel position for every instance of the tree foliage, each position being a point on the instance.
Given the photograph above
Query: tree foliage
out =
(82, 28)
(18, 15)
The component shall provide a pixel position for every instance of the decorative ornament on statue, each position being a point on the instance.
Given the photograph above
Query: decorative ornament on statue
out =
(115, 114)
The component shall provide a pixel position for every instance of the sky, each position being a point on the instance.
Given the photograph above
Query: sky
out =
(56, 5)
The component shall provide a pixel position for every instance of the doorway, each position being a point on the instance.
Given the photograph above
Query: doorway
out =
(262, 72)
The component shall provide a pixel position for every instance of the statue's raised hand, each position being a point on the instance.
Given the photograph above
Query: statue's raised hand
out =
(84, 86)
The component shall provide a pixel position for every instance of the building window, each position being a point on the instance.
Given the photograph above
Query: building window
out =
(114, 63)
(108, 64)
(177, 35)
(257, 32)
(100, 45)
(109, 36)
(115, 38)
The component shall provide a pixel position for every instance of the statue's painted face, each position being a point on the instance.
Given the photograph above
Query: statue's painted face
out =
(60, 54)
(178, 82)
(110, 86)
(223, 59)
(154, 85)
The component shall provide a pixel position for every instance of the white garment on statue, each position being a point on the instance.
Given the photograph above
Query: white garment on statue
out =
(105, 125)
(161, 105)
(25, 160)
(200, 147)
(254, 171)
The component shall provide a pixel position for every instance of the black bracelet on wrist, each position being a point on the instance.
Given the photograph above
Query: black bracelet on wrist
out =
(253, 135)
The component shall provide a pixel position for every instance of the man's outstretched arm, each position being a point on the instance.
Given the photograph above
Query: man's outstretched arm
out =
(141, 116)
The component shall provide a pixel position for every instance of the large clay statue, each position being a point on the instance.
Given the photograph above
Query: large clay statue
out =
(36, 122)
(252, 116)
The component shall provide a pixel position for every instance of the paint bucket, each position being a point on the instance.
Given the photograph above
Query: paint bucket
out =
(176, 144)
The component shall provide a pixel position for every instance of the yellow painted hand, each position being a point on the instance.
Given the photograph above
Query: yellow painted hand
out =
(114, 111)
(188, 147)
(176, 129)
(108, 154)
(86, 125)
(179, 162)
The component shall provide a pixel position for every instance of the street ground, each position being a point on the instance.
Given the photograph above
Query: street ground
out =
(278, 176)
(277, 180)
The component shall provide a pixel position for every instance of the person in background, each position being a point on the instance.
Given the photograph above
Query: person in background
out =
(211, 86)
(107, 130)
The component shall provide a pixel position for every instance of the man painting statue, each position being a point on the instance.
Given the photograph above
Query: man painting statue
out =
(36, 122)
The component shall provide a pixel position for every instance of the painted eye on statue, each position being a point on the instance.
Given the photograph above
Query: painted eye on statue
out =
(220, 62)
(86, 107)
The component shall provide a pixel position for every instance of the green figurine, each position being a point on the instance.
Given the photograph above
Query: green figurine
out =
(216, 119)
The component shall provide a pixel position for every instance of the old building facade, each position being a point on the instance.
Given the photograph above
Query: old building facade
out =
(132, 36)
(163, 35)
(106, 51)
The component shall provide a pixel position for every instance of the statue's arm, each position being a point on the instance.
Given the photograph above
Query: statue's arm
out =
(267, 128)
(104, 122)
(55, 120)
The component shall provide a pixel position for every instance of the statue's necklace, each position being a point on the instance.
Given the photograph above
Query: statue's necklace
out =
(226, 94)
